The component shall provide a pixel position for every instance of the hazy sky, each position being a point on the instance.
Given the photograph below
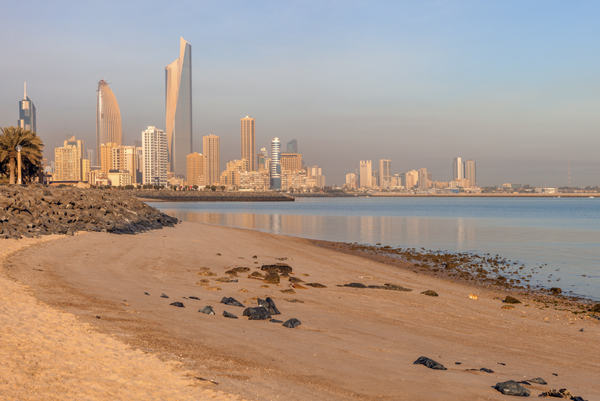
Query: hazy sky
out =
(513, 85)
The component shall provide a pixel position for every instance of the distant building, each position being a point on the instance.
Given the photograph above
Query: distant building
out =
(261, 159)
(458, 169)
(106, 157)
(350, 181)
(291, 162)
(292, 146)
(178, 113)
(275, 165)
(68, 161)
(195, 169)
(27, 112)
(470, 173)
(119, 178)
(385, 173)
(155, 155)
(411, 179)
(248, 141)
(212, 160)
(423, 181)
(316, 173)
(108, 118)
(365, 174)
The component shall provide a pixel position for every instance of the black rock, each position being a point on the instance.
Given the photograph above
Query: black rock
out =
(431, 293)
(229, 315)
(430, 363)
(537, 380)
(177, 304)
(501, 363)
(269, 305)
(458, 363)
(355, 285)
(164, 296)
(486, 370)
(293, 322)
(195, 298)
(511, 387)
(275, 321)
(207, 309)
(511, 300)
(146, 293)
(231, 301)
(258, 313)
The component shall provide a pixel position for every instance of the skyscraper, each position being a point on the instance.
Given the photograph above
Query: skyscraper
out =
(248, 139)
(262, 159)
(423, 180)
(385, 168)
(178, 105)
(458, 169)
(365, 174)
(155, 154)
(26, 112)
(68, 160)
(470, 173)
(292, 146)
(212, 159)
(275, 165)
(108, 118)
(195, 169)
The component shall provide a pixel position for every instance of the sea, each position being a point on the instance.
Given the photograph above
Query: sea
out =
(556, 239)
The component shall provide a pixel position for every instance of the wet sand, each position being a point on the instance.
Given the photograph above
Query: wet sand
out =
(353, 343)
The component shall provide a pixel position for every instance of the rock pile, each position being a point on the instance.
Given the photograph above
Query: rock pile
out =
(38, 210)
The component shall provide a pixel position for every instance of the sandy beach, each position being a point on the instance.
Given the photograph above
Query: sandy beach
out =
(76, 322)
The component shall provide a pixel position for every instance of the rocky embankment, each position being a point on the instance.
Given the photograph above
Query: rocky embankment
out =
(38, 210)
(210, 196)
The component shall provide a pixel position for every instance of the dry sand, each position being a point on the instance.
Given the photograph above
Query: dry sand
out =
(352, 344)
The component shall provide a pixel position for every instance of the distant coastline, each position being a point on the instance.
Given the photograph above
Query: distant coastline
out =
(463, 195)
(208, 196)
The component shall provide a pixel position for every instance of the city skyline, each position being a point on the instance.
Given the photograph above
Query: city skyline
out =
(517, 97)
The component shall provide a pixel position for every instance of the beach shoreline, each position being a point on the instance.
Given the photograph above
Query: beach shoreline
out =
(349, 327)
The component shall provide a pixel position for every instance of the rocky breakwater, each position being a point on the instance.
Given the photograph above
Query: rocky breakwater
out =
(38, 210)
(210, 196)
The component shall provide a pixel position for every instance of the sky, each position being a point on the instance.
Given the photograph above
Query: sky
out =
(512, 85)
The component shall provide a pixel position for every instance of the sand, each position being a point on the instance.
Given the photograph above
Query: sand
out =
(95, 332)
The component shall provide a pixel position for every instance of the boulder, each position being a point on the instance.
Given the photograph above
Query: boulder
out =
(272, 278)
(258, 313)
(511, 387)
(269, 305)
(207, 310)
(430, 363)
(231, 301)
(292, 323)
(229, 315)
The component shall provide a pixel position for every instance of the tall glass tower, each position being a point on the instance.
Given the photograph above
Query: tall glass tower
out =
(275, 164)
(108, 118)
(26, 112)
(248, 141)
(178, 105)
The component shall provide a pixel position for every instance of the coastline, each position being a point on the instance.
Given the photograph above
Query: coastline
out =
(347, 328)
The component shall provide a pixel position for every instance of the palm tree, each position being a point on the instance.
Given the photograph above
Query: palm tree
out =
(31, 152)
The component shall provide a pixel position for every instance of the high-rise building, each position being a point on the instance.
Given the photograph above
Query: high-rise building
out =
(385, 173)
(291, 162)
(351, 181)
(108, 118)
(68, 160)
(26, 112)
(155, 154)
(248, 139)
(212, 159)
(261, 159)
(292, 146)
(106, 155)
(470, 173)
(411, 178)
(365, 174)
(423, 181)
(195, 169)
(178, 96)
(275, 165)
(458, 169)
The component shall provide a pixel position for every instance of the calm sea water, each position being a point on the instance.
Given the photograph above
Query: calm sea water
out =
(561, 235)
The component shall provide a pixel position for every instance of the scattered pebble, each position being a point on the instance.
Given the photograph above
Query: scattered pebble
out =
(316, 285)
(214, 288)
(292, 323)
(458, 363)
(288, 291)
(511, 387)
(231, 301)
(243, 290)
(229, 315)
(146, 293)
(430, 293)
(508, 307)
(299, 286)
(430, 363)
(164, 296)
(195, 298)
(207, 309)
(294, 301)
(177, 304)
(473, 296)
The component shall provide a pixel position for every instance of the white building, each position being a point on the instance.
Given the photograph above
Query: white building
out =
(155, 154)
(366, 174)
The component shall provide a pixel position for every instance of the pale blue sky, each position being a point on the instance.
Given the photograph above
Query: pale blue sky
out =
(513, 85)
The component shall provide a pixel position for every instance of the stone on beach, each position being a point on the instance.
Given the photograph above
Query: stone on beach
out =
(277, 268)
(316, 285)
(207, 310)
(292, 323)
(164, 296)
(269, 305)
(229, 315)
(257, 313)
(511, 387)
(231, 301)
(511, 300)
(537, 380)
(430, 363)
(355, 285)
(430, 293)
(272, 278)
(177, 304)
